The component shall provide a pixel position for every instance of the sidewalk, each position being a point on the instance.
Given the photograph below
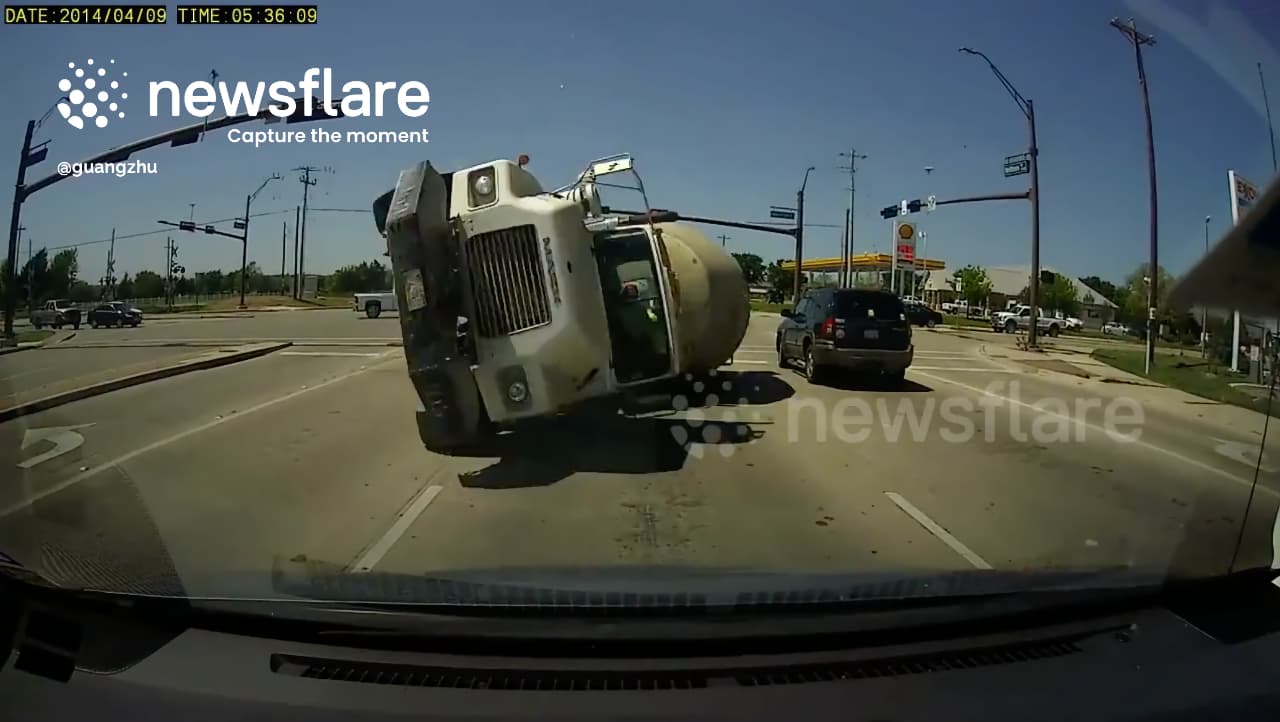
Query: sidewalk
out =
(1083, 372)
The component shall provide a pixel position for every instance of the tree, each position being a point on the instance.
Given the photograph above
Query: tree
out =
(147, 284)
(752, 267)
(1109, 290)
(780, 281)
(81, 292)
(974, 285)
(124, 289)
(1060, 295)
(62, 273)
(366, 276)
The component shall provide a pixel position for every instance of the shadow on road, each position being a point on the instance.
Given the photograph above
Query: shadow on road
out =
(540, 454)
(722, 388)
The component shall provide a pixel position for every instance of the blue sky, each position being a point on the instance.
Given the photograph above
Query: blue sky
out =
(723, 104)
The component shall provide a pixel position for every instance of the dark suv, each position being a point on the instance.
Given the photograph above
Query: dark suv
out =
(847, 328)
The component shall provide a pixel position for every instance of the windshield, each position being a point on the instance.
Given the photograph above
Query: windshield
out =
(675, 403)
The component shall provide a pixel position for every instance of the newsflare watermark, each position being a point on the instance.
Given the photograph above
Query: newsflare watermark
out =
(118, 169)
(998, 414)
(94, 95)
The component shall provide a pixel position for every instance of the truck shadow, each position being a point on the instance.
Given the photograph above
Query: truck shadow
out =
(651, 433)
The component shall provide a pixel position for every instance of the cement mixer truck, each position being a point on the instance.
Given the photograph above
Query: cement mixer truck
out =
(519, 303)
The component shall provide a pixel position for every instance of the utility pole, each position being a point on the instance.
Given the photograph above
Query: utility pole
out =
(297, 213)
(284, 234)
(795, 290)
(1130, 31)
(1271, 132)
(168, 271)
(844, 252)
(31, 279)
(723, 239)
(307, 181)
(1204, 311)
(109, 282)
(846, 265)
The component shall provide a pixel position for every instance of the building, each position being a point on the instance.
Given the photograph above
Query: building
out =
(1007, 285)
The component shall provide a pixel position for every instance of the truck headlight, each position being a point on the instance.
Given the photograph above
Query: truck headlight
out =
(518, 392)
(481, 187)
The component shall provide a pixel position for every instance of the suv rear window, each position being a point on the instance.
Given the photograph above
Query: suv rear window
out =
(855, 304)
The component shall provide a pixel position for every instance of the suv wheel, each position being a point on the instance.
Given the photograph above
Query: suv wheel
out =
(931, 323)
(782, 355)
(812, 371)
(895, 380)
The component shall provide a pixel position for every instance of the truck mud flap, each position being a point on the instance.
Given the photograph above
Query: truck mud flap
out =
(427, 258)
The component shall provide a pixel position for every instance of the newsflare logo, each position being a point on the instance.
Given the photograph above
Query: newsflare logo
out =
(90, 92)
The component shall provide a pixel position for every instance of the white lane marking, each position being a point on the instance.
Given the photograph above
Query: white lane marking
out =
(943, 535)
(410, 514)
(330, 353)
(989, 370)
(63, 438)
(1247, 482)
(746, 361)
(88, 473)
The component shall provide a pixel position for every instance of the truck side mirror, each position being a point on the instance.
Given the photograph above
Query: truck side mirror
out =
(788, 313)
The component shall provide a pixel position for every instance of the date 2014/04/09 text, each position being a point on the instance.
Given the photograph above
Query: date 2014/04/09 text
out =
(320, 135)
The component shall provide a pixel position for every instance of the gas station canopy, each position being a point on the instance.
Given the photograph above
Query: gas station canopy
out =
(863, 262)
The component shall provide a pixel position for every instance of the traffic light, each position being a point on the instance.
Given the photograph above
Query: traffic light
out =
(913, 206)
(186, 225)
(889, 212)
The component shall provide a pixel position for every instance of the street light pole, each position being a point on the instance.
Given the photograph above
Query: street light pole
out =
(1130, 31)
(795, 289)
(846, 266)
(244, 248)
(1028, 110)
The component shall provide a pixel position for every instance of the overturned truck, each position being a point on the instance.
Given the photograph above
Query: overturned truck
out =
(519, 303)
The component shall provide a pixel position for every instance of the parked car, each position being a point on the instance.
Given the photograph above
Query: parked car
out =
(1073, 323)
(848, 329)
(115, 313)
(56, 313)
(921, 315)
(373, 304)
(1111, 328)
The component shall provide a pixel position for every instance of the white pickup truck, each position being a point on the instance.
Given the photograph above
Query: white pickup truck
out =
(1018, 318)
(373, 304)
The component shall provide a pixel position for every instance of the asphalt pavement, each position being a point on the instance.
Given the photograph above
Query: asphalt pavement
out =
(311, 454)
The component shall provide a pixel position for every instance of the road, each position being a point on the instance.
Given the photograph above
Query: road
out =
(311, 454)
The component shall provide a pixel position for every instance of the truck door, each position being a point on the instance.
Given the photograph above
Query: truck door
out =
(635, 306)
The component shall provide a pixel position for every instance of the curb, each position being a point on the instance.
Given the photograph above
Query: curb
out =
(215, 343)
(84, 392)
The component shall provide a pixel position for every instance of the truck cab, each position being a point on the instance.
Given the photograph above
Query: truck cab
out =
(561, 302)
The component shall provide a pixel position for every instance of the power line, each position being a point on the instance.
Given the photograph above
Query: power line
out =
(143, 234)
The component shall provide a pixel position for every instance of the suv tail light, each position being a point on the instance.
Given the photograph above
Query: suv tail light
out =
(828, 328)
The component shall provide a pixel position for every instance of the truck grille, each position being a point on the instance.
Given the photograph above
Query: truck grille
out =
(507, 280)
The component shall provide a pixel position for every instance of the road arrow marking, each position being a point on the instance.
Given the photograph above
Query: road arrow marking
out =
(1246, 454)
(63, 438)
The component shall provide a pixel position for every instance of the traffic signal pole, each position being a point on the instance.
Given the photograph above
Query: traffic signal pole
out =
(19, 194)
(244, 248)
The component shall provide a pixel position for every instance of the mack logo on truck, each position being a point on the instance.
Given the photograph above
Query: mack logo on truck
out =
(551, 270)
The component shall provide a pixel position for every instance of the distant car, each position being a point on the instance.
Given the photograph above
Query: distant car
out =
(921, 315)
(115, 313)
(1111, 328)
(1073, 324)
(56, 313)
(851, 329)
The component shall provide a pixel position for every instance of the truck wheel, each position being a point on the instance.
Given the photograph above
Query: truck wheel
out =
(930, 323)
(895, 380)
(1010, 326)
(75, 325)
(1053, 330)
(373, 309)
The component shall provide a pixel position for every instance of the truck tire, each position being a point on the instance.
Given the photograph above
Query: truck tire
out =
(1054, 330)
(373, 309)
(1010, 326)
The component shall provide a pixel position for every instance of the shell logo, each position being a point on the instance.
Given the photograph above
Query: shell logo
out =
(906, 231)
